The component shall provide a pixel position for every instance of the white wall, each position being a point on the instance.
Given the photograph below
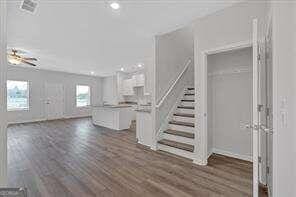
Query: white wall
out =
(171, 54)
(110, 90)
(38, 78)
(230, 103)
(284, 52)
(225, 27)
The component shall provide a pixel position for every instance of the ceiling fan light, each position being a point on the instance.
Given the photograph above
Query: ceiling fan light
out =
(14, 61)
(115, 5)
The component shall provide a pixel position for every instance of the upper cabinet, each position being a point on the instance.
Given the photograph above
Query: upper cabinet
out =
(128, 87)
(137, 80)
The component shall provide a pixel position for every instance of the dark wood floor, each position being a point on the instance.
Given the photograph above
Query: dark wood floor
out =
(74, 158)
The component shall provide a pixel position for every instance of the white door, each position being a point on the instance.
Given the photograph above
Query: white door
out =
(269, 106)
(263, 99)
(255, 111)
(262, 110)
(54, 101)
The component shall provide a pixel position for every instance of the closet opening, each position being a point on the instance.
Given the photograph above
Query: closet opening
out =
(229, 104)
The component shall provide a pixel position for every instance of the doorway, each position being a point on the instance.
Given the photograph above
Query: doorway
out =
(255, 120)
(229, 103)
(54, 101)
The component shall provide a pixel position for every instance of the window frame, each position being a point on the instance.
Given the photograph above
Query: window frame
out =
(89, 96)
(28, 96)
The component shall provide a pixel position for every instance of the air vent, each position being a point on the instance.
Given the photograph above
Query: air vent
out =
(29, 5)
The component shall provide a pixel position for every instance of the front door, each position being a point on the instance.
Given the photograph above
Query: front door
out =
(54, 101)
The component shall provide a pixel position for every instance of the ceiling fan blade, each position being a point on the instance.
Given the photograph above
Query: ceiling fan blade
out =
(26, 62)
(29, 58)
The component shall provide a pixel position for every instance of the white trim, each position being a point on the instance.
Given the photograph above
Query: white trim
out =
(234, 155)
(173, 85)
(27, 121)
(230, 47)
(210, 153)
(76, 116)
(3, 99)
(44, 119)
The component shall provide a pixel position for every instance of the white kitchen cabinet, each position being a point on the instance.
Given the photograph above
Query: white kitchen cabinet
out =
(129, 84)
(127, 88)
(139, 80)
(116, 117)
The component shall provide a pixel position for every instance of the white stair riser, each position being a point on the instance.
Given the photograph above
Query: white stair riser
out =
(175, 151)
(189, 97)
(181, 128)
(177, 138)
(183, 119)
(184, 111)
(187, 104)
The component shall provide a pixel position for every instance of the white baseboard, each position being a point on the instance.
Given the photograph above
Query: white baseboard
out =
(44, 119)
(78, 116)
(210, 153)
(230, 154)
(27, 121)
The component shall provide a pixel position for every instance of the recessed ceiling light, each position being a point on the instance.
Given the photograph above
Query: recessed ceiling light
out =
(92, 72)
(122, 69)
(115, 5)
(140, 65)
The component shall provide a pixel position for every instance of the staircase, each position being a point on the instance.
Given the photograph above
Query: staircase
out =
(178, 138)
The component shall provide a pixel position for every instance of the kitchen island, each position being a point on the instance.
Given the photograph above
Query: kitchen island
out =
(116, 117)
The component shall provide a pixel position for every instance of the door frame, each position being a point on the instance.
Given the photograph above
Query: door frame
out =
(203, 136)
(3, 111)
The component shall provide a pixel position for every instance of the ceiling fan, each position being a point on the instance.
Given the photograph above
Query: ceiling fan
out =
(15, 59)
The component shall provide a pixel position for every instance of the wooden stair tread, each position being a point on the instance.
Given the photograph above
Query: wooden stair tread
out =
(179, 145)
(186, 107)
(184, 115)
(180, 133)
(186, 124)
(187, 100)
(189, 94)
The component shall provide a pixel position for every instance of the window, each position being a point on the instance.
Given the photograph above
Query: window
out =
(82, 96)
(17, 95)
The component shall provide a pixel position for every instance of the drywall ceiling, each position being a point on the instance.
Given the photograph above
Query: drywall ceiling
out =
(81, 36)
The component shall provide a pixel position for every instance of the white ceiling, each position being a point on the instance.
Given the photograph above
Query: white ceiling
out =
(81, 36)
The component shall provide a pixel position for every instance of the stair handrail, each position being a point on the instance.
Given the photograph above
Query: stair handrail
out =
(174, 84)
